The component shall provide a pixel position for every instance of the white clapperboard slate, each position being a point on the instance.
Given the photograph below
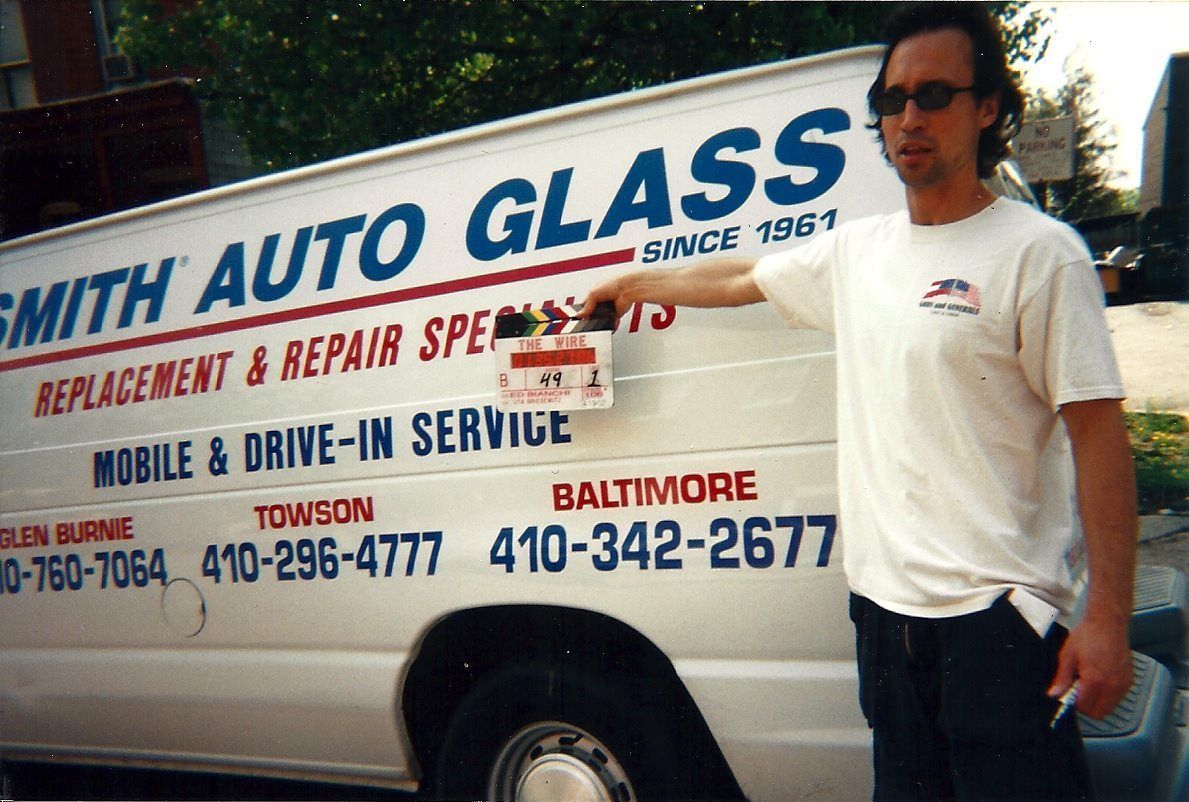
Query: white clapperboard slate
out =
(550, 359)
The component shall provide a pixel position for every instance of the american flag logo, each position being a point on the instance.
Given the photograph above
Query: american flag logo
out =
(955, 288)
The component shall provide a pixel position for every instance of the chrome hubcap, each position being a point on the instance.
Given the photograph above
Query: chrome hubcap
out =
(554, 762)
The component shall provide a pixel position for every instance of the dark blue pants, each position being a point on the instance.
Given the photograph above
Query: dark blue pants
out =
(958, 708)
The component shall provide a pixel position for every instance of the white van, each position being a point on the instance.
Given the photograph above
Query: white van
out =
(260, 512)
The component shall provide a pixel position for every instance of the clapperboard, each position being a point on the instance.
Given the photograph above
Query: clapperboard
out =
(551, 359)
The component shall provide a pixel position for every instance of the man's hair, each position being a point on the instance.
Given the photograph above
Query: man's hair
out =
(991, 75)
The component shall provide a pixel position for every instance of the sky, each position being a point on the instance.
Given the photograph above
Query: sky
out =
(1125, 45)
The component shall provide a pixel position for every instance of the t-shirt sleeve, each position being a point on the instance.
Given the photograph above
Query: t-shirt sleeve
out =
(1065, 346)
(799, 283)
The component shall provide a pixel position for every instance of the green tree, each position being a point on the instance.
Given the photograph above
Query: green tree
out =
(306, 80)
(1090, 192)
(1026, 31)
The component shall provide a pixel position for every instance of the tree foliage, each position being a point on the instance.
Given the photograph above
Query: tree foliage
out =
(1089, 193)
(1026, 31)
(306, 80)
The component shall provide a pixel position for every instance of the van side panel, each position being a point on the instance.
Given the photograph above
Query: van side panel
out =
(250, 452)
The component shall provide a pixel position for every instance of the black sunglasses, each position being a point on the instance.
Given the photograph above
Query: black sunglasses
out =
(930, 97)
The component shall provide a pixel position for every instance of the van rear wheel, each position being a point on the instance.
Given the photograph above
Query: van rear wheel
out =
(552, 760)
(527, 734)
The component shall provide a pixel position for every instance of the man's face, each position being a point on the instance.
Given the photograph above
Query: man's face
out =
(935, 148)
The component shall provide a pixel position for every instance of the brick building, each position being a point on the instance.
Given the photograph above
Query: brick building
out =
(1165, 180)
(85, 132)
(1164, 187)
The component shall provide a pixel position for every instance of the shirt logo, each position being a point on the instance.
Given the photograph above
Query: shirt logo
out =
(953, 295)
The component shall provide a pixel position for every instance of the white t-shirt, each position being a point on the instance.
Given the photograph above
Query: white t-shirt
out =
(957, 344)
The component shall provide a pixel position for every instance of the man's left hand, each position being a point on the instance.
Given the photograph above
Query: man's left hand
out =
(1098, 657)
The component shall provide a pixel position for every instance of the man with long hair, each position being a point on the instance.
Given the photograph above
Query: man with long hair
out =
(973, 362)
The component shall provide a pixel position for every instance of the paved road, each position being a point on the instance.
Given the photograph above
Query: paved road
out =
(1164, 540)
(30, 781)
(1152, 343)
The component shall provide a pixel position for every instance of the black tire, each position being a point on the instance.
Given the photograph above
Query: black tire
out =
(608, 738)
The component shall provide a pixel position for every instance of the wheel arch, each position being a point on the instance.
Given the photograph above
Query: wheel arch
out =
(467, 645)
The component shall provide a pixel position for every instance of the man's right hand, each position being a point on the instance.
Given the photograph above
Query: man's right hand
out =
(725, 281)
(609, 291)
